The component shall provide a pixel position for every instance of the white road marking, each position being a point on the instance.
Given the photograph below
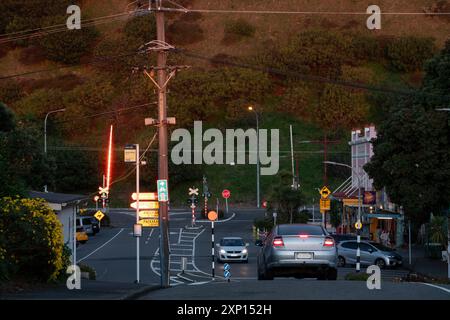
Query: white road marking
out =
(435, 286)
(179, 237)
(90, 254)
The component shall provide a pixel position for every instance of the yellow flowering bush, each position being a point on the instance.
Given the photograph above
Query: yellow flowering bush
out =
(31, 240)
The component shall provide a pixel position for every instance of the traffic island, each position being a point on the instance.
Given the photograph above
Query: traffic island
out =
(417, 277)
(354, 276)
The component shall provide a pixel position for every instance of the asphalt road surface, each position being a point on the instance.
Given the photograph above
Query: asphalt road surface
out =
(112, 253)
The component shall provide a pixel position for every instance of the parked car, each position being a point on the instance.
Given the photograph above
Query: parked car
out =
(90, 227)
(300, 250)
(81, 235)
(232, 249)
(370, 253)
(343, 237)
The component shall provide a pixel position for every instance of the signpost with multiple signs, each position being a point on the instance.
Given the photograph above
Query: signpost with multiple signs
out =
(192, 201)
(148, 209)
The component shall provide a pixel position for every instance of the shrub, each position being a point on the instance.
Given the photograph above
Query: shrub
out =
(31, 240)
(237, 30)
(265, 223)
(365, 48)
(140, 30)
(362, 276)
(88, 269)
(181, 33)
(407, 54)
(69, 46)
(10, 92)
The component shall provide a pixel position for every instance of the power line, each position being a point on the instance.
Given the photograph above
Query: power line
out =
(306, 12)
(63, 25)
(96, 60)
(44, 31)
(304, 77)
(107, 112)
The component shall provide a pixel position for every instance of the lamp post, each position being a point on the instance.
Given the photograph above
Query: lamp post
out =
(251, 108)
(45, 134)
(358, 230)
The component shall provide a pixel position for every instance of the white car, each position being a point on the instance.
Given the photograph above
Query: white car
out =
(232, 249)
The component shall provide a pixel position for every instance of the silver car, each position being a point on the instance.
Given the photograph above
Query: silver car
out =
(370, 253)
(299, 250)
(232, 249)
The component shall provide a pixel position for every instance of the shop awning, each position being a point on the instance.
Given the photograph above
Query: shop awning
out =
(383, 215)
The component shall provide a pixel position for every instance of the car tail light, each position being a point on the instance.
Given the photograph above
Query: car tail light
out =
(329, 242)
(304, 236)
(278, 242)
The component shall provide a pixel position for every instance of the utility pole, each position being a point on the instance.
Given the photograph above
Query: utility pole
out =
(163, 165)
(161, 47)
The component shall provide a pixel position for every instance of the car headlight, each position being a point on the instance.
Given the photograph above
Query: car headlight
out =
(244, 251)
(222, 251)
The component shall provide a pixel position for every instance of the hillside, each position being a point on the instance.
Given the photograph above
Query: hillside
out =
(329, 46)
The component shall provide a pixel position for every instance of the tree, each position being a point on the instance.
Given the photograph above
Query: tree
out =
(286, 201)
(412, 147)
(7, 119)
(31, 240)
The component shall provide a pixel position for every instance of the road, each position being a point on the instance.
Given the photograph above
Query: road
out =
(113, 255)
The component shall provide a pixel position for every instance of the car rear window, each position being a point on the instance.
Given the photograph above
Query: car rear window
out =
(87, 221)
(232, 243)
(286, 230)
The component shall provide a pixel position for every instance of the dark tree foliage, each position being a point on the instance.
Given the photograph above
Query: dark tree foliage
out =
(285, 201)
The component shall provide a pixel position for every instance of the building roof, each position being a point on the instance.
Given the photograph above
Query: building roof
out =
(58, 198)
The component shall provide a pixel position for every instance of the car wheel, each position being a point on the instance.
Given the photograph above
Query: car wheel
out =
(332, 274)
(260, 274)
(380, 263)
(268, 275)
(246, 260)
(341, 261)
(219, 260)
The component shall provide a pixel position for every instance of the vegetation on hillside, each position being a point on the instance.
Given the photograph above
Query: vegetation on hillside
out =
(303, 89)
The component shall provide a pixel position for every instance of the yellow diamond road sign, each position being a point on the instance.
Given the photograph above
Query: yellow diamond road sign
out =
(99, 215)
(325, 192)
(149, 222)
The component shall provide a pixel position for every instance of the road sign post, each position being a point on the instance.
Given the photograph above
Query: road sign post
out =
(226, 194)
(193, 192)
(325, 204)
(212, 216)
(226, 271)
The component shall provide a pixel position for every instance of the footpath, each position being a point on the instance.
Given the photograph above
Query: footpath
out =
(90, 290)
(421, 264)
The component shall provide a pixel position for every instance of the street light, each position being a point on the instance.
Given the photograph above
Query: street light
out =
(358, 232)
(45, 127)
(45, 134)
(251, 108)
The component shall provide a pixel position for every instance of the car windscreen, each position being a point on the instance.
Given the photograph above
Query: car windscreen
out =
(290, 230)
(381, 247)
(232, 243)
